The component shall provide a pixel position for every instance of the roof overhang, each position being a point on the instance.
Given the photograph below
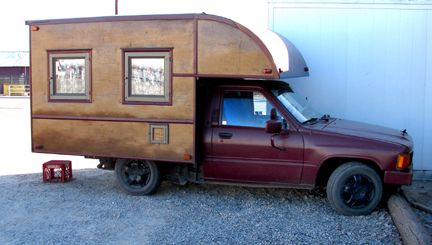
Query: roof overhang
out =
(286, 56)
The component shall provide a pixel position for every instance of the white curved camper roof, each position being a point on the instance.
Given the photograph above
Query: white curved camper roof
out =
(286, 56)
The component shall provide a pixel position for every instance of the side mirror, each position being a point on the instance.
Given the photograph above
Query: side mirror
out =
(273, 114)
(273, 127)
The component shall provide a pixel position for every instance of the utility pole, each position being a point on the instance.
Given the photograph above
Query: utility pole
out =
(116, 7)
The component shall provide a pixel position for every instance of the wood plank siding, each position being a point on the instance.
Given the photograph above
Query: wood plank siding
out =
(106, 126)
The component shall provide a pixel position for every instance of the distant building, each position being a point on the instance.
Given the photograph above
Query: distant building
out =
(14, 68)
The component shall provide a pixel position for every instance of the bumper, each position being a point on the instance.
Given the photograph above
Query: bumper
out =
(398, 178)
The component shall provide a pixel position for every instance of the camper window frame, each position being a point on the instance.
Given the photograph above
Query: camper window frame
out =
(128, 55)
(69, 54)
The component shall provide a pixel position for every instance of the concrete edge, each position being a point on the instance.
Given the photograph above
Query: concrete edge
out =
(422, 175)
(409, 226)
(14, 97)
(421, 207)
(415, 204)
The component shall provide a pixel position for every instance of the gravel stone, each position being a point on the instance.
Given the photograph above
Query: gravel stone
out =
(92, 209)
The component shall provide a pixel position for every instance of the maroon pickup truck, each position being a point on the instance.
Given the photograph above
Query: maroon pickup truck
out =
(199, 98)
(262, 133)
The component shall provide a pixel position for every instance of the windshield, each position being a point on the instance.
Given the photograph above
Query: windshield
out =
(297, 105)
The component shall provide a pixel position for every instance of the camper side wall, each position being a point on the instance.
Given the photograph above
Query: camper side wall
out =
(108, 114)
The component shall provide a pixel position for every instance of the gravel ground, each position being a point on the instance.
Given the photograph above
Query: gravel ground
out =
(93, 210)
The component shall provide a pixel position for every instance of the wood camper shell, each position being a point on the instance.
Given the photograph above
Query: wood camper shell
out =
(103, 122)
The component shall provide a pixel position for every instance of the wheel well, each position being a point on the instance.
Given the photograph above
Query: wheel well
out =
(330, 165)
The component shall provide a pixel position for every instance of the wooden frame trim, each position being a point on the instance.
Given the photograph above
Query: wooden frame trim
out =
(164, 127)
(90, 76)
(126, 18)
(183, 75)
(237, 76)
(195, 46)
(31, 89)
(91, 155)
(195, 72)
(222, 76)
(170, 52)
(112, 119)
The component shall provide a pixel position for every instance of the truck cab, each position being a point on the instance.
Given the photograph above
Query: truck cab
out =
(263, 133)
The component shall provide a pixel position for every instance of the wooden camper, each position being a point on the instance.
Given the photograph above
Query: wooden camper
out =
(104, 118)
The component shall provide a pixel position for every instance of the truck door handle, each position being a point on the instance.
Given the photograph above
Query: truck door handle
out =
(223, 135)
(273, 144)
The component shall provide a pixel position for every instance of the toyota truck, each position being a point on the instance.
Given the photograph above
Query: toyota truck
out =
(200, 98)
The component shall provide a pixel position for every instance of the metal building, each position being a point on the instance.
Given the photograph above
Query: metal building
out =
(14, 68)
(369, 61)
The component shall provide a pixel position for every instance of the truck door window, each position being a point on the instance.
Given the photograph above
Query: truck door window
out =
(245, 108)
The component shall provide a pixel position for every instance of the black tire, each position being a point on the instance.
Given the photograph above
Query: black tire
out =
(137, 177)
(354, 189)
(106, 164)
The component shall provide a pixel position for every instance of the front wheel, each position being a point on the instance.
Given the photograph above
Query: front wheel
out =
(137, 177)
(354, 189)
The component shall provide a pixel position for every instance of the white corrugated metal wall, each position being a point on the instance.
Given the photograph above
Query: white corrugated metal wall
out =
(369, 61)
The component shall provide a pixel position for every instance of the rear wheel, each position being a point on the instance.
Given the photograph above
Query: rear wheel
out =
(354, 189)
(137, 177)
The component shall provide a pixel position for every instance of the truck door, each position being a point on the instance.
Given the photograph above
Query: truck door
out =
(242, 150)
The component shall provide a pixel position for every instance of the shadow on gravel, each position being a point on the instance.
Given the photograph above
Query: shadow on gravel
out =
(93, 209)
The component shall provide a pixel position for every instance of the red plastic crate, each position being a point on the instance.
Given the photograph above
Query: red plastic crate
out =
(57, 170)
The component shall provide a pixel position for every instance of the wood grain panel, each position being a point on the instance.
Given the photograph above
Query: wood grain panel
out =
(111, 139)
(106, 40)
(107, 102)
(108, 37)
(225, 50)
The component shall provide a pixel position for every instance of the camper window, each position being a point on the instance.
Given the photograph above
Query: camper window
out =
(69, 75)
(147, 76)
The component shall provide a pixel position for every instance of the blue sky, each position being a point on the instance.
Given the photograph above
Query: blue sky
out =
(15, 33)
